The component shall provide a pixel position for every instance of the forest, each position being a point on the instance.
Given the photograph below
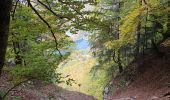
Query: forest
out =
(84, 49)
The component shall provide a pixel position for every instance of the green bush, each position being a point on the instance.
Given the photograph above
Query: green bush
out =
(39, 66)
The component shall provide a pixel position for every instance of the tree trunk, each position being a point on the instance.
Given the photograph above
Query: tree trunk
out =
(5, 7)
(17, 51)
(168, 24)
(119, 63)
(137, 49)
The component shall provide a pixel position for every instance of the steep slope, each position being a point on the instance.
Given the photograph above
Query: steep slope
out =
(39, 91)
(151, 80)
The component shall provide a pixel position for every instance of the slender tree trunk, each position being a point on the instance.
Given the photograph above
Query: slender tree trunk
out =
(119, 63)
(168, 24)
(17, 51)
(145, 34)
(137, 50)
(5, 7)
(119, 59)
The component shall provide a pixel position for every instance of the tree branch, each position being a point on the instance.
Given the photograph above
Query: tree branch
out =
(48, 25)
(72, 8)
(15, 87)
(59, 16)
(48, 3)
(15, 7)
(145, 2)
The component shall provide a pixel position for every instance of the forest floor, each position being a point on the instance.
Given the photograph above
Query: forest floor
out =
(151, 79)
(39, 91)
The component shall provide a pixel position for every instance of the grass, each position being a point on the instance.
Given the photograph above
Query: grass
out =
(78, 66)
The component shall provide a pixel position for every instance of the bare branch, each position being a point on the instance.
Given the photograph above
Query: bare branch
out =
(145, 2)
(49, 9)
(48, 3)
(15, 7)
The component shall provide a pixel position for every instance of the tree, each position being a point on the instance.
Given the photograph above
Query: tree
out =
(65, 12)
(5, 8)
(141, 27)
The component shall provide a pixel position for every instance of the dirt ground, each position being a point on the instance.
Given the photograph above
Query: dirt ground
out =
(39, 91)
(152, 81)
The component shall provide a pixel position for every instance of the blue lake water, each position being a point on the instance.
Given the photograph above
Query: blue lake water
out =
(82, 44)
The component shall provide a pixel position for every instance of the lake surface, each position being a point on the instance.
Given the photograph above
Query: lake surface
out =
(82, 44)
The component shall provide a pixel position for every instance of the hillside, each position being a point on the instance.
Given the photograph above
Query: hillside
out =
(149, 81)
(78, 66)
(84, 49)
(37, 90)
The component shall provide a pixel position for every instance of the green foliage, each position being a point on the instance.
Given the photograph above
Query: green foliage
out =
(41, 64)
(116, 37)
(85, 80)
(32, 41)
(129, 27)
(41, 71)
(119, 32)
